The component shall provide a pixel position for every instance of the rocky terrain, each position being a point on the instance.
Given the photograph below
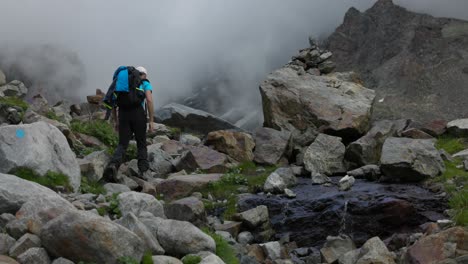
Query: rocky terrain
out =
(416, 63)
(321, 182)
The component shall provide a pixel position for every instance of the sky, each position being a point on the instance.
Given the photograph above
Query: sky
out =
(74, 46)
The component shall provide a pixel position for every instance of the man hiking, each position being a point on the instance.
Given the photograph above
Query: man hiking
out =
(134, 98)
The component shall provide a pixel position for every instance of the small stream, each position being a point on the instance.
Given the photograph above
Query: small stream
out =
(369, 209)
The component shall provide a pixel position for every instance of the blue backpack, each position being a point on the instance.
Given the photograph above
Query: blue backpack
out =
(125, 91)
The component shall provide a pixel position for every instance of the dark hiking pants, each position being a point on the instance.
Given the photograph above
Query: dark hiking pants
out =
(132, 121)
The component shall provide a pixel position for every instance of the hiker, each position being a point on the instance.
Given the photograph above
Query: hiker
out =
(133, 99)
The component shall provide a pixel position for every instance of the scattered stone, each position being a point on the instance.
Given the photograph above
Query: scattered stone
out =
(325, 156)
(368, 172)
(435, 128)
(209, 258)
(335, 247)
(445, 155)
(189, 139)
(112, 188)
(166, 260)
(226, 236)
(16, 229)
(462, 154)
(160, 162)
(189, 119)
(410, 160)
(272, 250)
(279, 180)
(40, 147)
(231, 227)
(179, 238)
(5, 218)
(458, 127)
(351, 257)
(416, 134)
(308, 255)
(83, 236)
(375, 251)
(188, 209)
(92, 165)
(136, 203)
(183, 185)
(34, 256)
(289, 193)
(14, 88)
(24, 243)
(445, 223)
(346, 183)
(254, 217)
(238, 145)
(7, 260)
(131, 222)
(204, 158)
(245, 238)
(326, 67)
(6, 243)
(271, 146)
(319, 179)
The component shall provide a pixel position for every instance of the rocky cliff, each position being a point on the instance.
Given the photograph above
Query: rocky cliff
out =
(416, 63)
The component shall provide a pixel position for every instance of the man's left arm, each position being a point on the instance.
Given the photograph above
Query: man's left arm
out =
(149, 102)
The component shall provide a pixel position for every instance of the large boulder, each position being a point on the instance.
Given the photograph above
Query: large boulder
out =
(92, 166)
(14, 192)
(10, 114)
(2, 78)
(190, 119)
(238, 145)
(204, 158)
(254, 217)
(40, 147)
(334, 103)
(375, 251)
(189, 209)
(279, 180)
(14, 88)
(325, 156)
(335, 247)
(179, 238)
(271, 146)
(410, 160)
(367, 149)
(182, 185)
(458, 127)
(438, 247)
(84, 236)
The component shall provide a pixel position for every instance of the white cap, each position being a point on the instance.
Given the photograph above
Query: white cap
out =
(142, 70)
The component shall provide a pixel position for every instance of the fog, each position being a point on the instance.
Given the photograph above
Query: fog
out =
(183, 44)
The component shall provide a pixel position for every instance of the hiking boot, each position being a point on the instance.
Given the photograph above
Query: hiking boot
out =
(110, 173)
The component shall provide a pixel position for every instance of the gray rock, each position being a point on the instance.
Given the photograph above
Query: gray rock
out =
(166, 260)
(445, 155)
(5, 218)
(458, 127)
(14, 192)
(204, 158)
(190, 140)
(190, 119)
(318, 178)
(279, 180)
(334, 102)
(226, 236)
(40, 105)
(254, 217)
(10, 114)
(245, 238)
(62, 261)
(131, 222)
(350, 257)
(367, 149)
(346, 183)
(326, 67)
(179, 238)
(14, 88)
(183, 185)
(325, 156)
(34, 256)
(16, 228)
(6, 243)
(272, 250)
(112, 188)
(83, 236)
(188, 209)
(271, 146)
(410, 159)
(375, 251)
(92, 165)
(160, 162)
(2, 78)
(40, 147)
(289, 193)
(209, 258)
(24, 243)
(369, 172)
(335, 247)
(462, 154)
(136, 203)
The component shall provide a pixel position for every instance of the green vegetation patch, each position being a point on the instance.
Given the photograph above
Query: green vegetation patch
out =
(223, 249)
(452, 144)
(14, 101)
(191, 259)
(99, 129)
(50, 179)
(94, 187)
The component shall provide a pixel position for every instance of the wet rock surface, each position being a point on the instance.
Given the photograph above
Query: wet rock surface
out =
(373, 209)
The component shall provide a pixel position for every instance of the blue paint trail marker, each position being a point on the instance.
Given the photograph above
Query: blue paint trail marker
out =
(20, 133)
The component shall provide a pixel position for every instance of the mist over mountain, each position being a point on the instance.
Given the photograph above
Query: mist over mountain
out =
(184, 45)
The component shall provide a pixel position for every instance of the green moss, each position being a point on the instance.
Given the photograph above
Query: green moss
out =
(452, 144)
(102, 211)
(459, 203)
(99, 129)
(147, 258)
(14, 101)
(191, 259)
(223, 249)
(91, 187)
(114, 205)
(50, 179)
(51, 115)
